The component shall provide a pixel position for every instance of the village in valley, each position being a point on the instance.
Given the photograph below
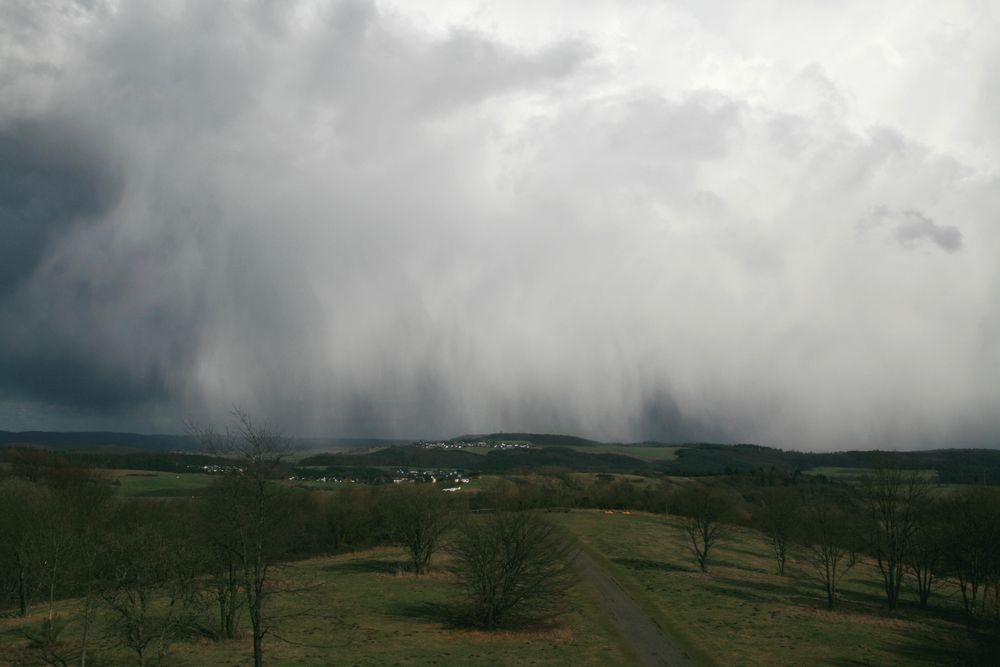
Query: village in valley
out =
(482, 444)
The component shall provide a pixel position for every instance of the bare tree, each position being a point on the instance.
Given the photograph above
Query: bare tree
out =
(511, 564)
(220, 549)
(21, 561)
(972, 543)
(419, 515)
(825, 535)
(88, 504)
(704, 510)
(253, 510)
(777, 518)
(892, 499)
(145, 584)
(925, 558)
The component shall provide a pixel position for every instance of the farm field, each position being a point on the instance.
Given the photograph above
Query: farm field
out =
(360, 609)
(148, 483)
(740, 612)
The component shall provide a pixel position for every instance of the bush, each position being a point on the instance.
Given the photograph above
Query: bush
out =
(512, 565)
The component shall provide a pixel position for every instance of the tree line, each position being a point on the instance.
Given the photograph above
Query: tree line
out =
(148, 572)
(917, 535)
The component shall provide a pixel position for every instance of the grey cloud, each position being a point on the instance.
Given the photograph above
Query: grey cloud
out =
(51, 176)
(911, 228)
(356, 227)
(915, 227)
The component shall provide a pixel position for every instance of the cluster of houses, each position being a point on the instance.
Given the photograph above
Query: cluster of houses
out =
(219, 470)
(330, 480)
(487, 444)
(415, 476)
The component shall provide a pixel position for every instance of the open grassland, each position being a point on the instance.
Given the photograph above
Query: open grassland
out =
(741, 612)
(361, 609)
(150, 483)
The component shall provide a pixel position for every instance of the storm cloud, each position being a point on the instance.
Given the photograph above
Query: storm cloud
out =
(685, 221)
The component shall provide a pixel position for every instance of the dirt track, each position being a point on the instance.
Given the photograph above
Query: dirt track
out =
(639, 631)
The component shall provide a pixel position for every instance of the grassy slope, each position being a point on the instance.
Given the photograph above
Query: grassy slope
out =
(359, 610)
(742, 613)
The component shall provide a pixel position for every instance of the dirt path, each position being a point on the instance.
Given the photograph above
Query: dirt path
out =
(640, 632)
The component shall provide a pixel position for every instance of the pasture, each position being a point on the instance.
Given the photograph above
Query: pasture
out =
(361, 609)
(741, 612)
(149, 483)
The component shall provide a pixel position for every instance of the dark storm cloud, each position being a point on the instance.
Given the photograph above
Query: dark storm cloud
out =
(359, 219)
(50, 178)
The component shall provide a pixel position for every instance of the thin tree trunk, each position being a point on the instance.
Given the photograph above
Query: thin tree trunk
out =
(49, 630)
(88, 604)
(22, 591)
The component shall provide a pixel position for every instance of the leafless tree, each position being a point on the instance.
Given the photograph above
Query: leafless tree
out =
(972, 544)
(777, 517)
(892, 499)
(218, 554)
(253, 513)
(925, 558)
(511, 564)
(23, 562)
(825, 534)
(419, 515)
(704, 510)
(146, 584)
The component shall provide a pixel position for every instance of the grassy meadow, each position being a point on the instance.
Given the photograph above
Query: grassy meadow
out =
(147, 483)
(364, 609)
(742, 613)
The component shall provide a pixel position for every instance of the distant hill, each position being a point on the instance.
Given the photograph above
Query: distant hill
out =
(496, 460)
(164, 442)
(540, 439)
(350, 443)
(954, 466)
(177, 452)
(90, 439)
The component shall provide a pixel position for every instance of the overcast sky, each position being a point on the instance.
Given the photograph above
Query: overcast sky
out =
(771, 222)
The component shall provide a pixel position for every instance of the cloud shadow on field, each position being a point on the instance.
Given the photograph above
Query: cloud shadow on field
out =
(650, 565)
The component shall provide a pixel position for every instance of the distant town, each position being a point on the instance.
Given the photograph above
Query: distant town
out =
(461, 444)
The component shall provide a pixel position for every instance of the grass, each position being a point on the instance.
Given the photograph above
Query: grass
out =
(161, 484)
(361, 609)
(741, 612)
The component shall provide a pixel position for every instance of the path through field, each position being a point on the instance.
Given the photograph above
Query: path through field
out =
(640, 632)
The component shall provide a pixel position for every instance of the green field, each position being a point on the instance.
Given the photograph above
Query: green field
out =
(361, 610)
(161, 484)
(740, 612)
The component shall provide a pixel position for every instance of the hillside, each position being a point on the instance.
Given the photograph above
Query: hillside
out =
(180, 453)
(539, 439)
